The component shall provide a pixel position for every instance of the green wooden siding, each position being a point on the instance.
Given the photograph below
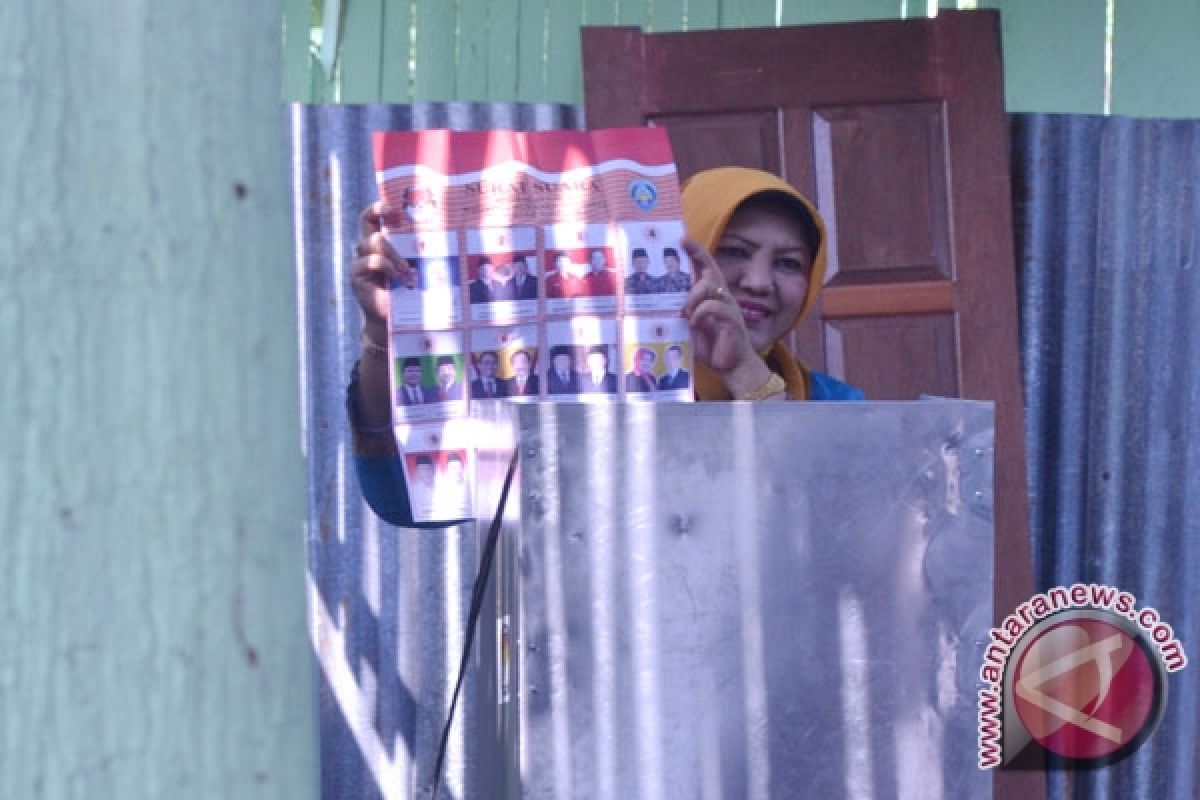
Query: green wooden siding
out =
(1053, 54)
(152, 491)
(1156, 58)
(506, 50)
(362, 54)
(396, 25)
(816, 13)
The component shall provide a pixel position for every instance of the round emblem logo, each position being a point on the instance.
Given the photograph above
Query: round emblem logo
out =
(1088, 689)
(644, 195)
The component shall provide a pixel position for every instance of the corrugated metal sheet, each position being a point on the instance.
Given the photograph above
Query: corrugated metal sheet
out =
(1107, 225)
(763, 601)
(386, 607)
(1108, 233)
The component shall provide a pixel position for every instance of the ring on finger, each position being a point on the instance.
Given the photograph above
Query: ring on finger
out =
(718, 293)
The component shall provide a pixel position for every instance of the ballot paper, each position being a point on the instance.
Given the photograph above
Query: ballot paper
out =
(545, 266)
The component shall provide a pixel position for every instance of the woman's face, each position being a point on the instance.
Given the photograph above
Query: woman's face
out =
(765, 260)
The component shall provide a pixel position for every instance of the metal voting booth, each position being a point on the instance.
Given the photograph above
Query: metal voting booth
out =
(737, 601)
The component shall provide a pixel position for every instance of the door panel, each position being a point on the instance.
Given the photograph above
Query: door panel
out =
(861, 154)
(909, 354)
(701, 142)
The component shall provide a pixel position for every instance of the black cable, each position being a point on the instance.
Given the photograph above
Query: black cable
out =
(481, 579)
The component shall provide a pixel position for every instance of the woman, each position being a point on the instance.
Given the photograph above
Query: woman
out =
(758, 250)
(641, 378)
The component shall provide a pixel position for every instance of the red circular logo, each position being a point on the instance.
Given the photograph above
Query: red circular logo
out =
(1086, 688)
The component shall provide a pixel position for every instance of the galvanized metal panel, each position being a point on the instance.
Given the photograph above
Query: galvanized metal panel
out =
(740, 600)
(1108, 234)
(386, 606)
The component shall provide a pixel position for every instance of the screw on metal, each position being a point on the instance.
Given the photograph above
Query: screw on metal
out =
(680, 524)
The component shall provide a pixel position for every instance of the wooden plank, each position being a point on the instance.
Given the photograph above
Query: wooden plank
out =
(500, 35)
(666, 15)
(297, 71)
(327, 25)
(396, 79)
(1053, 55)
(321, 90)
(599, 12)
(703, 15)
(360, 52)
(633, 12)
(747, 13)
(434, 77)
(531, 51)
(476, 40)
(1156, 58)
(816, 12)
(914, 298)
(564, 74)
(153, 584)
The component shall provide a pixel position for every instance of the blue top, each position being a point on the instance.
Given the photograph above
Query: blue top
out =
(381, 478)
(826, 388)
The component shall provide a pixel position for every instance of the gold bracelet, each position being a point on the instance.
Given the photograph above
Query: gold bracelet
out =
(372, 350)
(772, 387)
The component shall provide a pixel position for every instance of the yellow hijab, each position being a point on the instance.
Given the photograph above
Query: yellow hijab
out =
(709, 200)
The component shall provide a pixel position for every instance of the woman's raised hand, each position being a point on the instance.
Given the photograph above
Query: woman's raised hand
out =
(719, 335)
(376, 267)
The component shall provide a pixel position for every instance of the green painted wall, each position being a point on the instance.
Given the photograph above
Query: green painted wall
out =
(152, 642)
(529, 49)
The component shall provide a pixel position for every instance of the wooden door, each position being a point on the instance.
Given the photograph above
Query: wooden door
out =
(897, 131)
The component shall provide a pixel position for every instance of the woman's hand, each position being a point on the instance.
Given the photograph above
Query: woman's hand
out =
(376, 267)
(719, 335)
